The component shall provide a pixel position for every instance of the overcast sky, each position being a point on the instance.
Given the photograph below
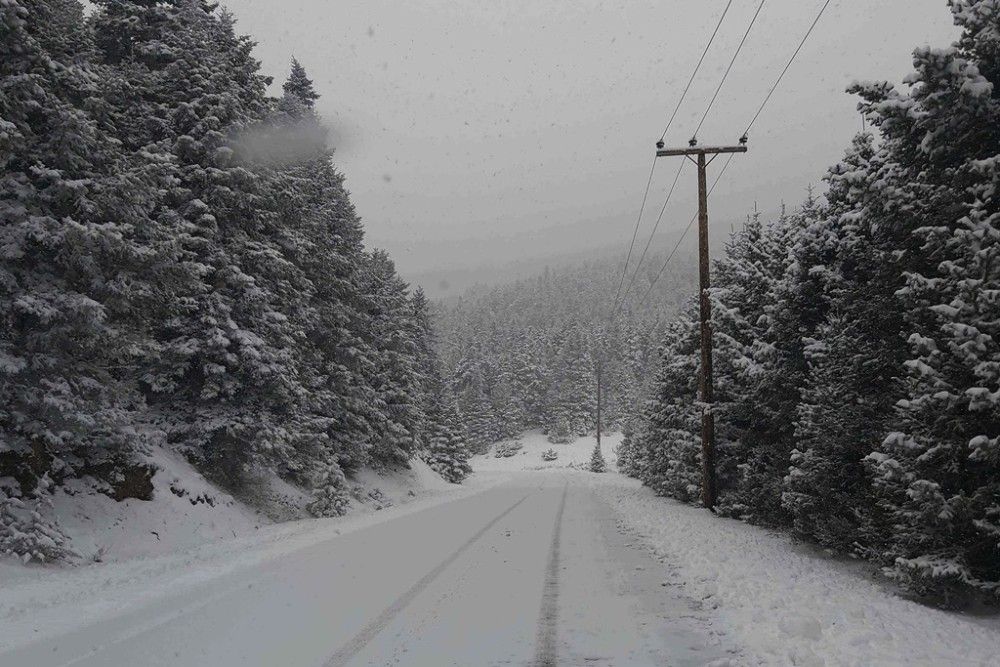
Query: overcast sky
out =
(481, 131)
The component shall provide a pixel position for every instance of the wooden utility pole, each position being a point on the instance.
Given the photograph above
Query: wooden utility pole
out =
(698, 155)
(599, 365)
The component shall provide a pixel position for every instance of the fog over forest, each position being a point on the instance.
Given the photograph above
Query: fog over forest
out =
(477, 134)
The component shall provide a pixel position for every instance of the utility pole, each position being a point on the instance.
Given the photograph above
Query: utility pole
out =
(698, 155)
(599, 365)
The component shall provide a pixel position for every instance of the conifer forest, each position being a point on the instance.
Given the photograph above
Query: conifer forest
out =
(244, 421)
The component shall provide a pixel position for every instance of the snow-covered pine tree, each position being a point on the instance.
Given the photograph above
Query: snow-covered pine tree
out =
(299, 86)
(853, 360)
(446, 453)
(507, 413)
(430, 389)
(741, 287)
(597, 462)
(396, 373)
(331, 496)
(529, 378)
(939, 473)
(755, 320)
(319, 233)
(78, 269)
(25, 531)
(222, 378)
(626, 454)
(793, 307)
(668, 446)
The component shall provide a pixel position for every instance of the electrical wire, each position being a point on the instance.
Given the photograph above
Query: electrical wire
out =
(756, 116)
(649, 242)
(663, 268)
(635, 232)
(787, 66)
(729, 67)
(652, 168)
(696, 68)
(715, 96)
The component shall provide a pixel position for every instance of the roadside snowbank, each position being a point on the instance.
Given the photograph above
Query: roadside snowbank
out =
(788, 605)
(186, 510)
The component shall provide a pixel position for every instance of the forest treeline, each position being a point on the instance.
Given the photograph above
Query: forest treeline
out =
(526, 355)
(181, 266)
(857, 341)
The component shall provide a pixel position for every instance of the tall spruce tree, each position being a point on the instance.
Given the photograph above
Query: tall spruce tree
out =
(80, 267)
(939, 474)
(853, 361)
(222, 378)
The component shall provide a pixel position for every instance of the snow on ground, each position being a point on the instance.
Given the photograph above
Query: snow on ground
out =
(186, 510)
(198, 542)
(574, 454)
(786, 603)
(780, 602)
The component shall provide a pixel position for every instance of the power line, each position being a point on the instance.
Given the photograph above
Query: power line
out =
(652, 167)
(696, 68)
(787, 65)
(635, 232)
(729, 67)
(756, 116)
(649, 242)
(683, 234)
(711, 102)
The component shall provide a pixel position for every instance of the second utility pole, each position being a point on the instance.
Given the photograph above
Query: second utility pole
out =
(600, 365)
(705, 384)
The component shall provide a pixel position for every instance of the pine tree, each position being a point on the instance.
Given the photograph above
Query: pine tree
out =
(597, 463)
(853, 360)
(79, 268)
(396, 377)
(446, 452)
(300, 86)
(757, 314)
(668, 448)
(627, 457)
(221, 378)
(939, 474)
(26, 533)
(318, 231)
(331, 497)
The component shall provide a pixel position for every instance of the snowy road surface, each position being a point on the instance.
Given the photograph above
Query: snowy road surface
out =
(532, 571)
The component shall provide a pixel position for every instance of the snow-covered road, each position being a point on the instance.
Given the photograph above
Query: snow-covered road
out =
(530, 571)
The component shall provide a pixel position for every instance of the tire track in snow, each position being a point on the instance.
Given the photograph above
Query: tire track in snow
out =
(370, 631)
(548, 621)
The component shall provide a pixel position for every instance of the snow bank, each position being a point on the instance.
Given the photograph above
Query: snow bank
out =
(788, 605)
(187, 510)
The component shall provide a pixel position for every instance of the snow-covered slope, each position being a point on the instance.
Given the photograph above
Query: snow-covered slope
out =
(187, 511)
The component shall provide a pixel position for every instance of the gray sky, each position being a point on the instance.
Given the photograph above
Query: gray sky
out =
(485, 131)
